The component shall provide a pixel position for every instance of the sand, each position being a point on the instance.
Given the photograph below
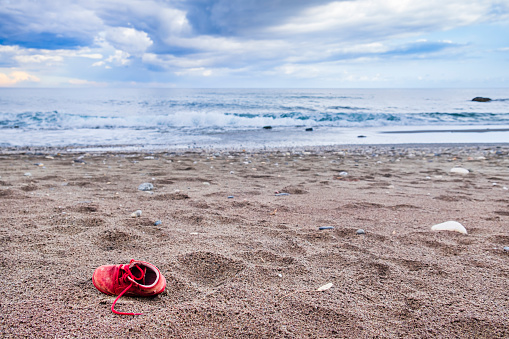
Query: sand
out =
(250, 266)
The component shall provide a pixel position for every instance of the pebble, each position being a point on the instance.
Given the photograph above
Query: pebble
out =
(136, 214)
(459, 170)
(506, 248)
(343, 174)
(230, 197)
(146, 186)
(450, 226)
(360, 231)
(325, 287)
(28, 174)
(326, 227)
(281, 194)
(40, 164)
(157, 223)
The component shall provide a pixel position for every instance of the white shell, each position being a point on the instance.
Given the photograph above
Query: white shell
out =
(459, 170)
(136, 214)
(450, 226)
(324, 287)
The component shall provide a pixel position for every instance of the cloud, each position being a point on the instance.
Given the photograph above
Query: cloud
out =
(48, 24)
(366, 19)
(16, 77)
(128, 40)
(24, 57)
(38, 58)
(157, 40)
(240, 17)
(86, 83)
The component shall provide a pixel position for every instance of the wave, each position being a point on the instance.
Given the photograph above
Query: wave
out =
(348, 117)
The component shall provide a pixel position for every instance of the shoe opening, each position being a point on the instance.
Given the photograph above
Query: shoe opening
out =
(149, 275)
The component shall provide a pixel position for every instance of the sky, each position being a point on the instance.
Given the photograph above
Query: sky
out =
(255, 43)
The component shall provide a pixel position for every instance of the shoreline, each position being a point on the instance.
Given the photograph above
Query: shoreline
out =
(103, 149)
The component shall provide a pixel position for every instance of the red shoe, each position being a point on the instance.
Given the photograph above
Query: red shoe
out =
(138, 278)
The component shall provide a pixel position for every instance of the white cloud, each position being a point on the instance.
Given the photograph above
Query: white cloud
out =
(119, 58)
(370, 18)
(38, 58)
(128, 40)
(16, 77)
(200, 71)
(86, 83)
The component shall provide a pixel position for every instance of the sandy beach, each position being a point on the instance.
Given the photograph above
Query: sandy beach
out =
(241, 261)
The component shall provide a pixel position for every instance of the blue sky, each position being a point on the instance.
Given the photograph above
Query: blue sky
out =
(249, 43)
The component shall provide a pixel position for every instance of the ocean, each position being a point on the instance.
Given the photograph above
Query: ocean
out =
(249, 118)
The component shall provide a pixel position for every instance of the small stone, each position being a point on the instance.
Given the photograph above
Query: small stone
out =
(459, 170)
(310, 129)
(325, 287)
(28, 174)
(230, 197)
(343, 174)
(326, 228)
(267, 127)
(361, 136)
(449, 226)
(136, 214)
(281, 194)
(506, 249)
(39, 164)
(146, 186)
(360, 231)
(157, 223)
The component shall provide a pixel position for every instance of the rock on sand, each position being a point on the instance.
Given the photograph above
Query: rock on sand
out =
(449, 226)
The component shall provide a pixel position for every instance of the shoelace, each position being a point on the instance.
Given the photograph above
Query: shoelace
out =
(123, 278)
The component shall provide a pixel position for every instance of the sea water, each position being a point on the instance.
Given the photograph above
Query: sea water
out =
(244, 118)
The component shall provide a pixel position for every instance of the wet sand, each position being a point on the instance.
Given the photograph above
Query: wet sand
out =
(241, 261)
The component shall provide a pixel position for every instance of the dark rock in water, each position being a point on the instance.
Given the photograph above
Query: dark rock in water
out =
(267, 127)
(310, 129)
(481, 99)
(361, 136)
